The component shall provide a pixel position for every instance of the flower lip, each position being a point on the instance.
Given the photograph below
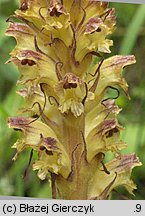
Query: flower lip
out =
(28, 61)
(18, 121)
(71, 81)
(69, 85)
(126, 162)
(48, 143)
(30, 54)
(108, 126)
(111, 132)
(54, 12)
(24, 5)
(56, 8)
(48, 152)
(93, 25)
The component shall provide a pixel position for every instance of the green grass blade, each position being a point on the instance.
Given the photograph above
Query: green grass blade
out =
(133, 30)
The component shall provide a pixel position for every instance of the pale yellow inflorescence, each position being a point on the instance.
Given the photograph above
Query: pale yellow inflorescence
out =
(57, 41)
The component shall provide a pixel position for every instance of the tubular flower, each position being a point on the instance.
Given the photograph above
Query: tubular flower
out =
(70, 124)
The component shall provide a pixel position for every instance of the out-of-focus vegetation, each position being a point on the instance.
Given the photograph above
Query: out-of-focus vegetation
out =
(129, 38)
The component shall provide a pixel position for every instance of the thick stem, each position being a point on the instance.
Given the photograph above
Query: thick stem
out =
(72, 137)
(76, 186)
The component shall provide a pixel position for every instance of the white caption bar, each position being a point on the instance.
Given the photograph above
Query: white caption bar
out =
(63, 207)
(128, 1)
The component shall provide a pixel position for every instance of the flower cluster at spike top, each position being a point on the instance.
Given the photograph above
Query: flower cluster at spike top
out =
(70, 123)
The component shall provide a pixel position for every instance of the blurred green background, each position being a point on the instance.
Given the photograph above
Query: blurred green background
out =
(129, 38)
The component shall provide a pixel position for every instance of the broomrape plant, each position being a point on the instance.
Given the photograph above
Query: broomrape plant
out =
(70, 123)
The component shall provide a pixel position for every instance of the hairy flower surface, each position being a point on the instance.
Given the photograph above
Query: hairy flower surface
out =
(70, 123)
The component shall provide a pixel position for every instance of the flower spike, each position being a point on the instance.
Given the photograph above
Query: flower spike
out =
(71, 124)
